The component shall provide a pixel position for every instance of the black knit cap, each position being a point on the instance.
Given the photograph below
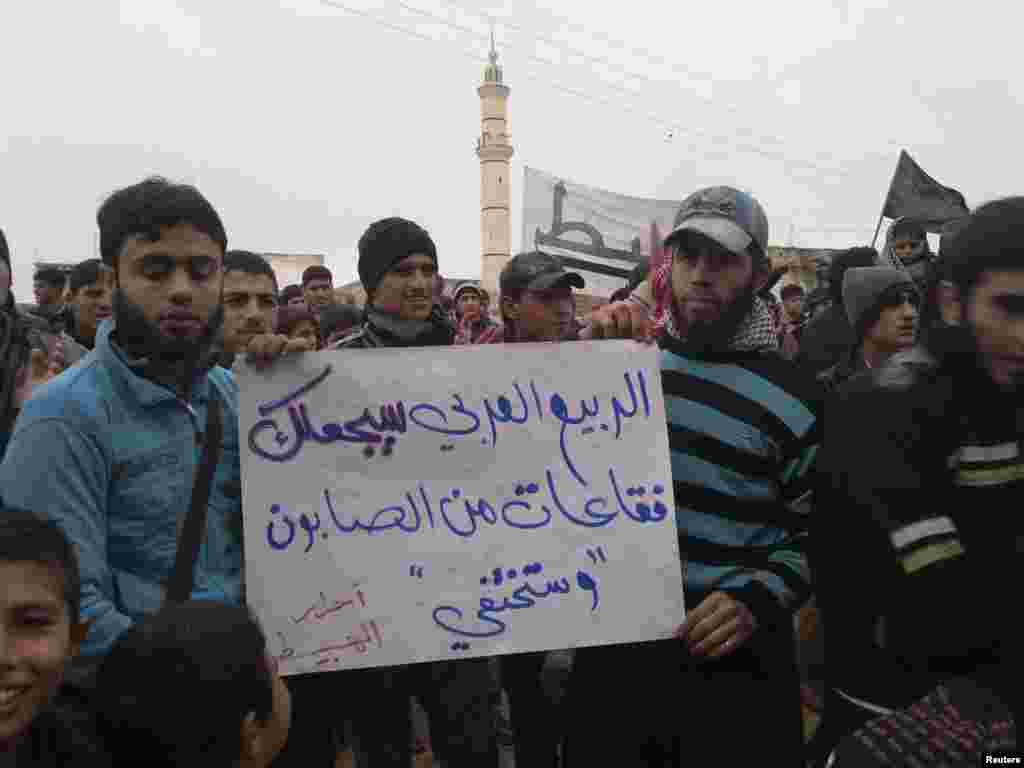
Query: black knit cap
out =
(316, 272)
(387, 242)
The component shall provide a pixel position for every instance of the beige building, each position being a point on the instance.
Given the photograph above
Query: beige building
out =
(494, 148)
(289, 266)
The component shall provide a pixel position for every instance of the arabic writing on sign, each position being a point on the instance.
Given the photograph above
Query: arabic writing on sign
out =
(464, 515)
(450, 618)
(331, 654)
(320, 610)
(270, 441)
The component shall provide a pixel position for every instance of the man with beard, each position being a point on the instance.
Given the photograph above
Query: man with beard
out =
(926, 476)
(250, 298)
(90, 286)
(110, 448)
(743, 432)
(398, 269)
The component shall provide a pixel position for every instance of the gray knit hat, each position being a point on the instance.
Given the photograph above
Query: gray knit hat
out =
(863, 288)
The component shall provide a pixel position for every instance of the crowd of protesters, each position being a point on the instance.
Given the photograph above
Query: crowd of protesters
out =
(860, 467)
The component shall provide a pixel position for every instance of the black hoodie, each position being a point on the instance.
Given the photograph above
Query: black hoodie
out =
(919, 534)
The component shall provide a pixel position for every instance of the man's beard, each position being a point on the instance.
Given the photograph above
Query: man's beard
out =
(716, 335)
(141, 338)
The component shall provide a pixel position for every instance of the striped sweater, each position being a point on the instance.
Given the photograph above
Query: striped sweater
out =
(743, 435)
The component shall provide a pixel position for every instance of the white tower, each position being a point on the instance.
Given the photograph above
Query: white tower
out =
(494, 148)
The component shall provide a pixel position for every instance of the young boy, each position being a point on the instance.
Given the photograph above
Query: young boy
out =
(43, 722)
(194, 685)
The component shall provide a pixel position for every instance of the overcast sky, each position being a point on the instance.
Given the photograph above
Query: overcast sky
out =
(304, 122)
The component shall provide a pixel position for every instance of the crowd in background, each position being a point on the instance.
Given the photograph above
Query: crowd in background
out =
(847, 481)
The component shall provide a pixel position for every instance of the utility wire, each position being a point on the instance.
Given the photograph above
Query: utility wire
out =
(618, 106)
(629, 75)
(655, 118)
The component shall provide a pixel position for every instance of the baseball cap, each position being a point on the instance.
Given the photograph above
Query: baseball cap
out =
(536, 271)
(731, 218)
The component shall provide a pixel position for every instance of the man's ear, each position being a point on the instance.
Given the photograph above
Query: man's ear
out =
(950, 303)
(79, 630)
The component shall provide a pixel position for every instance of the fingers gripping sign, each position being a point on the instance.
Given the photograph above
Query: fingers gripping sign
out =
(717, 627)
(263, 350)
(621, 320)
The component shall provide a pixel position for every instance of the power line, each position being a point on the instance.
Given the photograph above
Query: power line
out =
(629, 75)
(480, 58)
(660, 120)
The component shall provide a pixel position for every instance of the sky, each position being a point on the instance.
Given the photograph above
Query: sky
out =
(305, 120)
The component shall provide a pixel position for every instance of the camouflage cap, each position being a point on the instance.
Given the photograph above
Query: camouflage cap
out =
(731, 218)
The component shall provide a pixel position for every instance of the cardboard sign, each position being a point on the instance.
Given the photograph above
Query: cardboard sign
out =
(409, 505)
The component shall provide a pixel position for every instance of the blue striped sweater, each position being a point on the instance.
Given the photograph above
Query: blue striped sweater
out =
(744, 429)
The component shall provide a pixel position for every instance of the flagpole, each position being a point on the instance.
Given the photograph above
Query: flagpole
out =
(879, 227)
(885, 202)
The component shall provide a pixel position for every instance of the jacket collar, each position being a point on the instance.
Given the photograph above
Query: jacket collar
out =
(127, 376)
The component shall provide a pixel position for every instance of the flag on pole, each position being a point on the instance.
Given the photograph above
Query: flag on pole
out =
(916, 195)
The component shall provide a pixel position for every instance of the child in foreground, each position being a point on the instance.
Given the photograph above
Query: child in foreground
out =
(43, 720)
(194, 686)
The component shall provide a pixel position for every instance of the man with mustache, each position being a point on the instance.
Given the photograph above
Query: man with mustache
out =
(250, 299)
(743, 427)
(110, 449)
(882, 305)
(925, 473)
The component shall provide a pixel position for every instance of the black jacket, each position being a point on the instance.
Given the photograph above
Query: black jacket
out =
(65, 734)
(380, 330)
(916, 542)
(825, 340)
(834, 378)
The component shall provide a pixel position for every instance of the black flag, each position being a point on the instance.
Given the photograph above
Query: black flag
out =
(916, 195)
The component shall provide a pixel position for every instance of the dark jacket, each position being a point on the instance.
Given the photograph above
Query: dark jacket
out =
(380, 330)
(65, 734)
(919, 529)
(825, 340)
(833, 379)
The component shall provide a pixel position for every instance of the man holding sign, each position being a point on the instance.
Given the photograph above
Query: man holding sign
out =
(743, 431)
(398, 270)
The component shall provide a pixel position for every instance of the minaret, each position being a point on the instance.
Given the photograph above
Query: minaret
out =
(494, 148)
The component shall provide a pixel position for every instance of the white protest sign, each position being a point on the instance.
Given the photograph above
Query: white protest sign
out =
(409, 505)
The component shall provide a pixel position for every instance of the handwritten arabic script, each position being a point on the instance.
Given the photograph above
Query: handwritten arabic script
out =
(399, 474)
